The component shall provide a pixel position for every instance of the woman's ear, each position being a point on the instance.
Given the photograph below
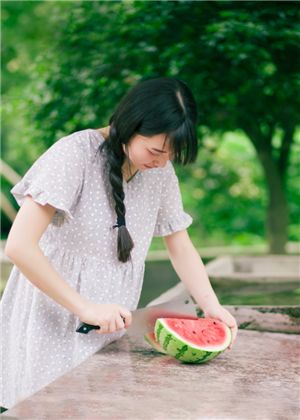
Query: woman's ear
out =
(125, 149)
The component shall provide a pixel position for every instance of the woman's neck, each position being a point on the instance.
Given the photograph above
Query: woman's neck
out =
(104, 131)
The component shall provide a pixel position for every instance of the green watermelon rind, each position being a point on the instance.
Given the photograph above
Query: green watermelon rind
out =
(154, 344)
(176, 346)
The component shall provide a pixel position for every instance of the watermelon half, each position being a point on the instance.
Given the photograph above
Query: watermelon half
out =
(192, 340)
(150, 338)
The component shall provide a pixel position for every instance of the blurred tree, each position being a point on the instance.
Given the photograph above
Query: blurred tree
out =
(242, 62)
(22, 41)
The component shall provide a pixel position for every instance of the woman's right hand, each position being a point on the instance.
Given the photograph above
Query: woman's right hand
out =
(108, 316)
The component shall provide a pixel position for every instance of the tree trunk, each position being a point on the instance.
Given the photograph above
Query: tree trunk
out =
(275, 169)
(277, 211)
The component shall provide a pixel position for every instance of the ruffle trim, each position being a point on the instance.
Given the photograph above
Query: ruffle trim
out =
(177, 224)
(39, 195)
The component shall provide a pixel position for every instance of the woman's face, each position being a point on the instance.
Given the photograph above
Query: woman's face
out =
(148, 152)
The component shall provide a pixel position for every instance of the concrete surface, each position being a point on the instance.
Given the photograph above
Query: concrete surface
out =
(259, 268)
(258, 379)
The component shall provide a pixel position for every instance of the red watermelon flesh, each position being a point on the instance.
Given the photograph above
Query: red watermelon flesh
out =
(205, 332)
(190, 340)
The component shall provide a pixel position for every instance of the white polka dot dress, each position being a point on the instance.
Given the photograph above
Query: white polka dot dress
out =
(38, 341)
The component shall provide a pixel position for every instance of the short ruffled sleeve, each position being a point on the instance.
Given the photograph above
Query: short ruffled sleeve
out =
(55, 178)
(171, 216)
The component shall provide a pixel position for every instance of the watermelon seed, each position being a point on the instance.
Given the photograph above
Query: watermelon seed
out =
(194, 332)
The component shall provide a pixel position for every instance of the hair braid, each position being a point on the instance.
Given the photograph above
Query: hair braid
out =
(115, 160)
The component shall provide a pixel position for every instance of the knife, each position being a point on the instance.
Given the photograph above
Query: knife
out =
(143, 319)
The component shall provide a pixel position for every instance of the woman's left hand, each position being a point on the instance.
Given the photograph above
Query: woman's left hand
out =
(219, 312)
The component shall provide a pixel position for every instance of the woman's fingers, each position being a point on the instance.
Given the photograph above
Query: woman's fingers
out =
(115, 324)
(104, 328)
(234, 330)
(120, 323)
(126, 314)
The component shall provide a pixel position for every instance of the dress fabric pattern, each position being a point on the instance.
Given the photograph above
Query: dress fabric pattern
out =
(38, 338)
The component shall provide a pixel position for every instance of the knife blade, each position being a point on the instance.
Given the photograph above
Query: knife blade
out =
(143, 319)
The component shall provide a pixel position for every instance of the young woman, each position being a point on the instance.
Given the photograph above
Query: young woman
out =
(90, 206)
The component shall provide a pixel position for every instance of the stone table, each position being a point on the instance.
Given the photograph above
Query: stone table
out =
(257, 379)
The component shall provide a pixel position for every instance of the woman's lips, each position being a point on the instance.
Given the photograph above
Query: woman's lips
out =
(149, 167)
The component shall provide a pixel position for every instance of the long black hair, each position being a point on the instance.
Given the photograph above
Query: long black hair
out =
(161, 105)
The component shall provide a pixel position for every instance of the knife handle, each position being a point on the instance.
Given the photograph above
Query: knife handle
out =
(86, 328)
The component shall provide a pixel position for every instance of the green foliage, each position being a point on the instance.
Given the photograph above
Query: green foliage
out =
(68, 71)
(228, 182)
(241, 61)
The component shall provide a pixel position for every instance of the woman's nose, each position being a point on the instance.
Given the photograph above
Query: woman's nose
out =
(161, 161)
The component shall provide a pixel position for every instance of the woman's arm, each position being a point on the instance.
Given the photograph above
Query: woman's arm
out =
(190, 269)
(23, 250)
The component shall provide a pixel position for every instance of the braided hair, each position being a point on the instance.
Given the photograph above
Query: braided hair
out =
(153, 106)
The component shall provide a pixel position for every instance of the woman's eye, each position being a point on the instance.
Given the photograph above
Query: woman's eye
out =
(153, 153)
